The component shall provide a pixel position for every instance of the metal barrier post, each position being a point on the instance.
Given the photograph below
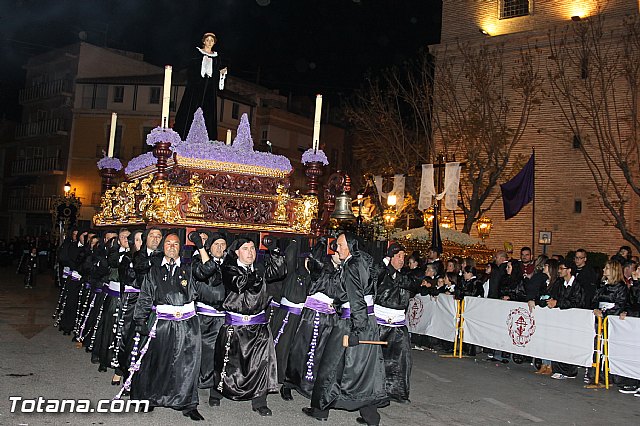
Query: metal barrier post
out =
(605, 332)
(598, 353)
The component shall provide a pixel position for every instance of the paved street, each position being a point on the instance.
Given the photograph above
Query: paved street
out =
(36, 360)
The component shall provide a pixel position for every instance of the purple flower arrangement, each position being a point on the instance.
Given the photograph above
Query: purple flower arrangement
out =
(140, 162)
(198, 130)
(243, 140)
(161, 134)
(218, 151)
(198, 145)
(109, 163)
(312, 155)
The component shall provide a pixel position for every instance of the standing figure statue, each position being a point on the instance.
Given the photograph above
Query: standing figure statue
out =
(204, 78)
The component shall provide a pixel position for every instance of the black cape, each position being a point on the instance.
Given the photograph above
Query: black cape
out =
(304, 356)
(394, 290)
(246, 353)
(354, 377)
(168, 375)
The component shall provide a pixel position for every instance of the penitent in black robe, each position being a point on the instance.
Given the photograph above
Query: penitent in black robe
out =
(284, 323)
(168, 375)
(210, 326)
(201, 92)
(394, 291)
(250, 369)
(352, 378)
(312, 335)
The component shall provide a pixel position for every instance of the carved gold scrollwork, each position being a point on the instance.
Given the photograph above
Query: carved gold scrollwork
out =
(194, 208)
(164, 207)
(305, 209)
(144, 193)
(283, 197)
(106, 208)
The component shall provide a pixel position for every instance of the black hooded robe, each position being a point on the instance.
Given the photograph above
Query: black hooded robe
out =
(245, 358)
(352, 378)
(313, 332)
(168, 375)
(393, 292)
(285, 319)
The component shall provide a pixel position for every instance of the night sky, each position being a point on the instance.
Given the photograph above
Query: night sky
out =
(298, 46)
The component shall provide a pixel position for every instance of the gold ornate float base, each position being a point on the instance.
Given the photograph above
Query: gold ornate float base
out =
(207, 194)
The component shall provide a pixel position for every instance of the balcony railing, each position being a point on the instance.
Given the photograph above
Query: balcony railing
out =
(45, 90)
(36, 165)
(52, 126)
(31, 204)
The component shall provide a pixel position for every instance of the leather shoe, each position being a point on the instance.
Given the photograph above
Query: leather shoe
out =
(263, 411)
(362, 421)
(193, 415)
(214, 402)
(311, 412)
(285, 393)
(102, 369)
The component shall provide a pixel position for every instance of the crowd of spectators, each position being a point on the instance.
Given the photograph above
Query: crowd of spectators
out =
(545, 282)
(12, 251)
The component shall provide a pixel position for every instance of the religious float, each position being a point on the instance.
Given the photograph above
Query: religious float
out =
(209, 184)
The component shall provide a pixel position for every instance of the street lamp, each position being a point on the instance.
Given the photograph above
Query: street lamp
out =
(483, 225)
(67, 188)
(427, 217)
(360, 201)
(390, 215)
(446, 222)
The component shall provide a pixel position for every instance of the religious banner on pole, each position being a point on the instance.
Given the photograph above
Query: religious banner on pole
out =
(564, 335)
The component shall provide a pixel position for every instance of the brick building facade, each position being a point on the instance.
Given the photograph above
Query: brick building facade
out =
(566, 201)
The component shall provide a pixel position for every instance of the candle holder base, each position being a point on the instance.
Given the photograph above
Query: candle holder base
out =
(162, 151)
(313, 172)
(108, 178)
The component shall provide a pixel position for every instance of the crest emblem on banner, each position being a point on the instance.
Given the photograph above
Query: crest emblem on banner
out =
(521, 326)
(416, 308)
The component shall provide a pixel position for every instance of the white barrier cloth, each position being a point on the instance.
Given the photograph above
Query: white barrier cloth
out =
(554, 334)
(624, 346)
(433, 316)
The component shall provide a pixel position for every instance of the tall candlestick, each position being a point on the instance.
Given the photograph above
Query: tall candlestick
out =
(228, 136)
(316, 123)
(166, 95)
(112, 134)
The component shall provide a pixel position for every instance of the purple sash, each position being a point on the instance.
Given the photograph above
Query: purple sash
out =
(346, 312)
(291, 309)
(175, 313)
(318, 306)
(129, 289)
(111, 292)
(207, 310)
(177, 316)
(382, 321)
(231, 318)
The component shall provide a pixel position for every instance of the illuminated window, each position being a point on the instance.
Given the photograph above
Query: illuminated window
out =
(513, 8)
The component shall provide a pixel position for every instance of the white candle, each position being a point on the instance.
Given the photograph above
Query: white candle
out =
(228, 136)
(112, 134)
(166, 95)
(316, 123)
